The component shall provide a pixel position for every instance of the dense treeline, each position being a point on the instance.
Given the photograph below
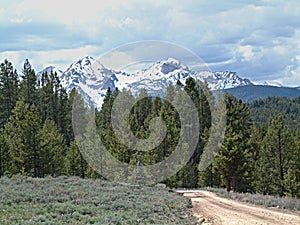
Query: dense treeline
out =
(262, 110)
(35, 124)
(260, 151)
(141, 114)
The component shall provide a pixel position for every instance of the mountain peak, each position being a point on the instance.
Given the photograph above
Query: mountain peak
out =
(172, 61)
(88, 60)
(92, 79)
(86, 66)
(84, 62)
(269, 83)
(168, 66)
(49, 70)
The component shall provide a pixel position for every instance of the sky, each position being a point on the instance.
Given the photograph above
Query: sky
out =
(260, 40)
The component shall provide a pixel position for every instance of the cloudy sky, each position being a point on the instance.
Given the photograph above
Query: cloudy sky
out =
(258, 39)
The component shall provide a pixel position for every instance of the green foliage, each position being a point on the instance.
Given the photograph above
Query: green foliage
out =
(52, 149)
(231, 161)
(22, 138)
(4, 153)
(75, 165)
(276, 160)
(262, 110)
(54, 104)
(36, 134)
(35, 121)
(28, 85)
(9, 88)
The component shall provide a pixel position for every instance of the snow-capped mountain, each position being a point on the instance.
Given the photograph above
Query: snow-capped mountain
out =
(92, 79)
(50, 69)
(269, 83)
(158, 76)
(225, 80)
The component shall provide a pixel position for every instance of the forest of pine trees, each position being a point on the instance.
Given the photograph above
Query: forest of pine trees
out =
(260, 151)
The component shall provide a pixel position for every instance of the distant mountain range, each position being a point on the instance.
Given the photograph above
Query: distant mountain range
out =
(252, 92)
(92, 79)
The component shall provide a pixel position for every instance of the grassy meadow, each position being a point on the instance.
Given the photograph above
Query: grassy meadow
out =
(71, 200)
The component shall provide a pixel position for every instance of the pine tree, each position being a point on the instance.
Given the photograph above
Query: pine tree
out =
(171, 118)
(208, 177)
(65, 116)
(9, 88)
(232, 157)
(80, 116)
(22, 138)
(45, 93)
(28, 85)
(75, 165)
(197, 95)
(276, 155)
(4, 153)
(52, 150)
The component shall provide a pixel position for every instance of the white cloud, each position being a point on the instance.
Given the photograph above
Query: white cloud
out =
(281, 50)
(246, 52)
(117, 60)
(67, 11)
(14, 57)
(257, 40)
(41, 59)
(20, 20)
(291, 77)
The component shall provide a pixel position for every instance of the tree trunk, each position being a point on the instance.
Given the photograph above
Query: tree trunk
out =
(228, 184)
(281, 188)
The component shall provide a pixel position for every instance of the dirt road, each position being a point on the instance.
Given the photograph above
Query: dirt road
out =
(211, 209)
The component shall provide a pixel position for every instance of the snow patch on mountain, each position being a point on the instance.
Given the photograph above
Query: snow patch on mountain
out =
(92, 79)
(225, 80)
(49, 70)
(269, 83)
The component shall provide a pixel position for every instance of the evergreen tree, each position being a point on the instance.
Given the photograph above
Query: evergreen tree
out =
(231, 161)
(171, 118)
(9, 88)
(257, 135)
(52, 150)
(28, 85)
(65, 116)
(22, 138)
(276, 156)
(210, 176)
(45, 94)
(262, 110)
(54, 104)
(4, 153)
(196, 93)
(75, 165)
(80, 116)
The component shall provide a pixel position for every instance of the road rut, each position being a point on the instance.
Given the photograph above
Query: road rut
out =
(211, 209)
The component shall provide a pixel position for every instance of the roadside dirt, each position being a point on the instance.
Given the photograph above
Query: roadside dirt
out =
(211, 209)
